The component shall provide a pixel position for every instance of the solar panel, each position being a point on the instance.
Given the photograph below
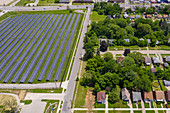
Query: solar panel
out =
(8, 19)
(23, 47)
(46, 51)
(23, 39)
(53, 50)
(60, 50)
(28, 49)
(17, 33)
(66, 50)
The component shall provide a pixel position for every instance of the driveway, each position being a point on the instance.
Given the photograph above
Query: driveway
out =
(37, 106)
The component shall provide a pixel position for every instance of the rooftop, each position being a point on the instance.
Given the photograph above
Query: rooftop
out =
(148, 95)
(125, 94)
(136, 96)
(159, 95)
(100, 96)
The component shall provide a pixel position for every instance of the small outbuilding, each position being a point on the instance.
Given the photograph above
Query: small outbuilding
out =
(159, 96)
(125, 95)
(148, 96)
(165, 64)
(136, 96)
(101, 97)
(137, 16)
(109, 16)
(156, 60)
(166, 59)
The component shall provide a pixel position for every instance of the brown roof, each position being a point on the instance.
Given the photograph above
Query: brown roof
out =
(165, 16)
(159, 95)
(148, 15)
(132, 15)
(148, 60)
(159, 16)
(100, 96)
(167, 94)
(148, 95)
(120, 59)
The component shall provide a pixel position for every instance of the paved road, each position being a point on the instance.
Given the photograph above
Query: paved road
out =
(14, 3)
(142, 51)
(34, 86)
(37, 106)
(72, 81)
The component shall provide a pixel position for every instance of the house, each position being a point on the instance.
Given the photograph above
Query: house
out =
(159, 96)
(103, 40)
(101, 97)
(125, 95)
(148, 16)
(137, 16)
(166, 83)
(127, 40)
(141, 39)
(120, 59)
(165, 16)
(157, 42)
(159, 16)
(136, 96)
(167, 95)
(148, 96)
(109, 16)
(149, 41)
(156, 60)
(153, 70)
(64, 1)
(166, 59)
(111, 41)
(132, 16)
(165, 64)
(125, 15)
(148, 61)
(116, 1)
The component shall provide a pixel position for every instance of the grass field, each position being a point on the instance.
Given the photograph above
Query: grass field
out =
(24, 2)
(68, 56)
(120, 104)
(95, 17)
(162, 86)
(48, 2)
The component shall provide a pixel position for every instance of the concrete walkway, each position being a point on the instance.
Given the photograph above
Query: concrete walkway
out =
(37, 106)
(106, 111)
(122, 109)
(14, 3)
(34, 86)
(143, 106)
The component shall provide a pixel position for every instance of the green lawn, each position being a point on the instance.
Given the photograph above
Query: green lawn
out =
(134, 105)
(146, 105)
(99, 105)
(164, 47)
(26, 101)
(24, 2)
(150, 111)
(51, 102)
(95, 17)
(137, 111)
(132, 47)
(157, 88)
(120, 104)
(45, 90)
(115, 111)
(143, 48)
(139, 105)
(48, 3)
(81, 3)
(162, 86)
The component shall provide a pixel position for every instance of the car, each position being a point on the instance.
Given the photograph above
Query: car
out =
(57, 8)
(33, 9)
(166, 105)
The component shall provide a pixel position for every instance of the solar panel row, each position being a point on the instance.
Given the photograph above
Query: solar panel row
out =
(66, 50)
(8, 28)
(46, 51)
(5, 22)
(32, 52)
(28, 49)
(9, 22)
(60, 50)
(23, 47)
(17, 33)
(53, 50)
(23, 39)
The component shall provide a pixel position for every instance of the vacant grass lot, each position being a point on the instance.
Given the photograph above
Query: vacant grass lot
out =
(68, 57)
(95, 17)
(115, 111)
(24, 2)
(120, 104)
(162, 86)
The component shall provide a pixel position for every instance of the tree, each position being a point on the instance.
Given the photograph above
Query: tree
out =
(111, 66)
(128, 61)
(97, 88)
(108, 56)
(127, 51)
(129, 10)
(137, 56)
(114, 96)
(143, 29)
(130, 30)
(11, 105)
(103, 46)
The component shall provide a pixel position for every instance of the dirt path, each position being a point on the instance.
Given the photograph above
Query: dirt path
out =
(90, 100)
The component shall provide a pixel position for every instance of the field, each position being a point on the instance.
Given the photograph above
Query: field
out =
(37, 47)
(95, 17)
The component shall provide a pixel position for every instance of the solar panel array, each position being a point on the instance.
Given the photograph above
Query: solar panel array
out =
(30, 42)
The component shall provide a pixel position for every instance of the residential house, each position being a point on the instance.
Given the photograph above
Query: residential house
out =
(156, 60)
(111, 41)
(136, 96)
(127, 40)
(120, 59)
(159, 96)
(125, 95)
(148, 96)
(101, 97)
(125, 15)
(132, 16)
(167, 95)
(148, 61)
(159, 16)
(166, 59)
(165, 64)
(166, 83)
(149, 41)
(165, 16)
(137, 16)
(101, 40)
(148, 16)
(109, 16)
(153, 70)
(157, 42)
(141, 39)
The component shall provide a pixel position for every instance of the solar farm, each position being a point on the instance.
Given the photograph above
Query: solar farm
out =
(37, 47)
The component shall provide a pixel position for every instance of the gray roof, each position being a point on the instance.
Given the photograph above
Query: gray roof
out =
(141, 39)
(167, 58)
(156, 60)
(166, 64)
(103, 40)
(64, 1)
(157, 42)
(136, 96)
(125, 94)
(125, 15)
(149, 41)
(166, 82)
(109, 16)
(148, 60)
(127, 40)
(111, 41)
(137, 16)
